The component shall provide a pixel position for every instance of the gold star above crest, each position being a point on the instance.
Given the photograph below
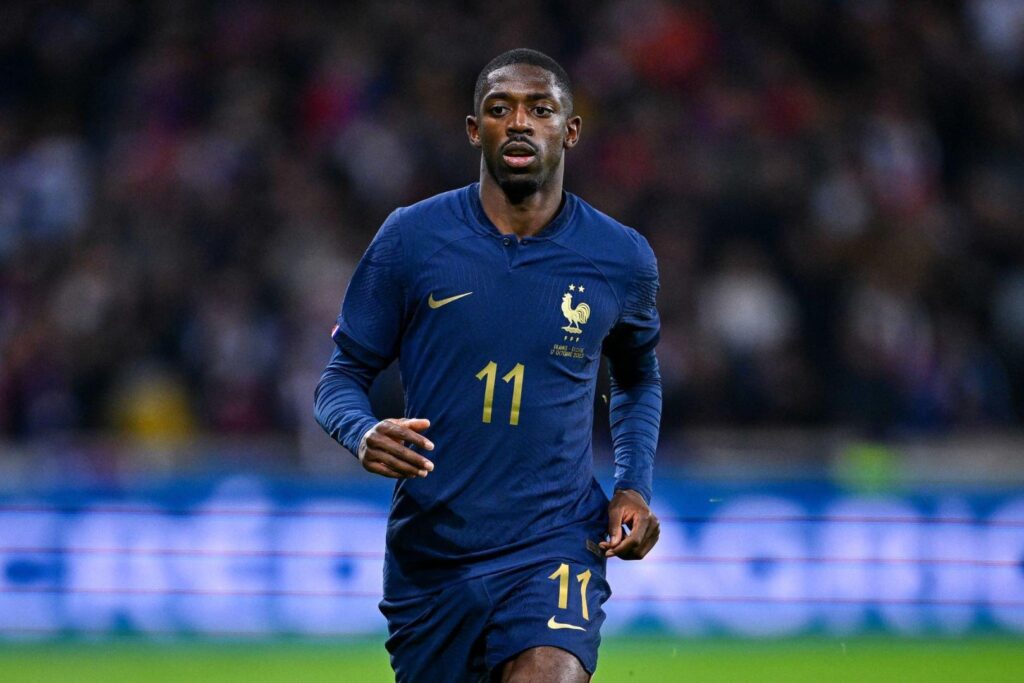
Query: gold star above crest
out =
(582, 289)
(572, 288)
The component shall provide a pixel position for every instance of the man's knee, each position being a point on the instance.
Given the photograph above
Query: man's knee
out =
(544, 665)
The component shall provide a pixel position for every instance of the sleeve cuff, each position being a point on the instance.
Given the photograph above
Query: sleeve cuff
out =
(644, 491)
(357, 434)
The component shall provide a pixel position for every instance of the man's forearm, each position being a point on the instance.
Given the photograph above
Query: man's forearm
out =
(635, 416)
(342, 402)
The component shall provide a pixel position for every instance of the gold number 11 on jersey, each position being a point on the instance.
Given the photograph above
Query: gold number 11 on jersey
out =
(490, 374)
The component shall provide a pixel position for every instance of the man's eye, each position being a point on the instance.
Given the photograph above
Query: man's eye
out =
(543, 111)
(498, 110)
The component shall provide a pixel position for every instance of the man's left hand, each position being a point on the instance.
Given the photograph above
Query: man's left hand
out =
(628, 508)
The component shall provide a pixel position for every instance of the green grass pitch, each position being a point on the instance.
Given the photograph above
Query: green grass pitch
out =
(857, 660)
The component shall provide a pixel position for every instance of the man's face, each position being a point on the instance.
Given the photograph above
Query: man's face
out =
(523, 128)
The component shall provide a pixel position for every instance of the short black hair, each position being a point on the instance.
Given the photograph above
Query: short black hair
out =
(522, 55)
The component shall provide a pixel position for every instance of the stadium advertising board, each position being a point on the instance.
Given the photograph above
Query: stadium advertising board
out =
(250, 556)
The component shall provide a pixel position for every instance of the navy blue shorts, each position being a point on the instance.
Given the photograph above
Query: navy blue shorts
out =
(466, 631)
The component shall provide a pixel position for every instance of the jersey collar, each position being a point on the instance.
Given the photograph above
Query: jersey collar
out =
(479, 221)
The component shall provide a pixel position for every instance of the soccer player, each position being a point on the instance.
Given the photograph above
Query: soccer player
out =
(498, 300)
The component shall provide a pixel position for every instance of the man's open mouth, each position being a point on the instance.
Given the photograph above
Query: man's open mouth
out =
(518, 154)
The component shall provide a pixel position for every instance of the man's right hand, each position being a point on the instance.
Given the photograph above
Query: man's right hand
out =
(382, 450)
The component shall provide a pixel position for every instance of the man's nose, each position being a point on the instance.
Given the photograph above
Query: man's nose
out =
(519, 122)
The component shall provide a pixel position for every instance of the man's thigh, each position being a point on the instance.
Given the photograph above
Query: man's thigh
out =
(438, 637)
(542, 665)
(554, 604)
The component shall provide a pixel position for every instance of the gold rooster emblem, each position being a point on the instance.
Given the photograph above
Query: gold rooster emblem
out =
(576, 315)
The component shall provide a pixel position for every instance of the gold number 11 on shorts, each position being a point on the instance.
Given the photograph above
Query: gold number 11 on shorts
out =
(562, 576)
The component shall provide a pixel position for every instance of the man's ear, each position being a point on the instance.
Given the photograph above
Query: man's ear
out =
(473, 131)
(572, 131)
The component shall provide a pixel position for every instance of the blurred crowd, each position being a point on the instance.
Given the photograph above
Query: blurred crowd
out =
(834, 189)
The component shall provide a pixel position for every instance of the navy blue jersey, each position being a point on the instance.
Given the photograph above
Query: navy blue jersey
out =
(499, 342)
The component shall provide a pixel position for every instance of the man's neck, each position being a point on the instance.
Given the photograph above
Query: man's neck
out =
(524, 218)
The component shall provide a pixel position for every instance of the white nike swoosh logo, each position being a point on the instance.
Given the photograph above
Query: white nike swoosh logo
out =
(552, 624)
(438, 303)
